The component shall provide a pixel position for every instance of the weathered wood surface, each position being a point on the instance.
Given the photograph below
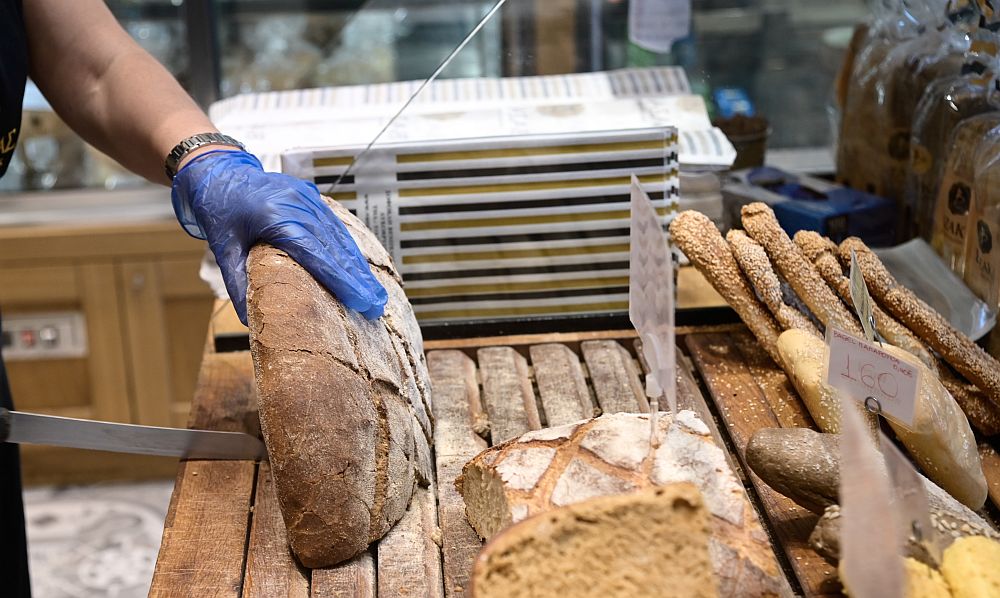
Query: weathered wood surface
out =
(507, 393)
(353, 579)
(457, 412)
(615, 377)
(271, 568)
(562, 386)
(205, 531)
(744, 408)
(225, 536)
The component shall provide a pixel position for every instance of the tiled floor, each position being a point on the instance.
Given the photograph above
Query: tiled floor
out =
(90, 541)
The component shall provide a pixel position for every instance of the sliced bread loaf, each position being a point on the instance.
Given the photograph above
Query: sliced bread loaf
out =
(610, 455)
(649, 543)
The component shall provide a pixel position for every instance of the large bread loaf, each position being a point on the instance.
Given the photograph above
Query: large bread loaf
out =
(344, 402)
(610, 455)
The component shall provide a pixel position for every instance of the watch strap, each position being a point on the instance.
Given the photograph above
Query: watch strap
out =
(192, 143)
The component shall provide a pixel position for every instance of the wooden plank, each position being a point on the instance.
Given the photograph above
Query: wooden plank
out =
(785, 403)
(201, 552)
(456, 407)
(26, 286)
(409, 561)
(72, 242)
(271, 568)
(615, 377)
(562, 386)
(353, 579)
(146, 331)
(109, 386)
(205, 532)
(507, 393)
(744, 409)
(991, 469)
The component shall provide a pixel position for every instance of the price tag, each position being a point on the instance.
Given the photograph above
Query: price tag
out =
(861, 299)
(866, 373)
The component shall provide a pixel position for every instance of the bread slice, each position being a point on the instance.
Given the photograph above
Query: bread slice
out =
(344, 402)
(649, 543)
(611, 455)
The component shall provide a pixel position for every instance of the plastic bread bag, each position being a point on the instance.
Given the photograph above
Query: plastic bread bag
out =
(860, 156)
(915, 265)
(982, 240)
(955, 192)
(908, 70)
(945, 103)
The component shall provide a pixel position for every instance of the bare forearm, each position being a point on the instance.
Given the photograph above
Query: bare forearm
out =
(110, 91)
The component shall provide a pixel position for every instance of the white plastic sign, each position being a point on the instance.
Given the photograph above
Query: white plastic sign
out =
(866, 373)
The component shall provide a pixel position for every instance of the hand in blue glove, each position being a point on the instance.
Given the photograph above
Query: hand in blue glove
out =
(227, 198)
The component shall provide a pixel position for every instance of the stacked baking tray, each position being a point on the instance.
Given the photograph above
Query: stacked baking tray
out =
(503, 227)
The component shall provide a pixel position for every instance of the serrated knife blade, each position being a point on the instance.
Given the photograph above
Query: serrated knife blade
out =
(52, 430)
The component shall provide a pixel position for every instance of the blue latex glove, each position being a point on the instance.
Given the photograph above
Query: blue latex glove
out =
(227, 198)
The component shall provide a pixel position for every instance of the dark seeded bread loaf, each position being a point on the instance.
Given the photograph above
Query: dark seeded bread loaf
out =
(344, 402)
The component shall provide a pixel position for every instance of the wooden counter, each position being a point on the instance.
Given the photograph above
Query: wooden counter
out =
(137, 286)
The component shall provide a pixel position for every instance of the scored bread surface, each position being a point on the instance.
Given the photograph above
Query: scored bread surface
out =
(344, 402)
(555, 467)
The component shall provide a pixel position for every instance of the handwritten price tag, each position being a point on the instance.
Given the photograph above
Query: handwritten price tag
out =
(865, 372)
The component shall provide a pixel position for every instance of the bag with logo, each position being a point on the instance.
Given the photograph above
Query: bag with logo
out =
(982, 241)
(955, 194)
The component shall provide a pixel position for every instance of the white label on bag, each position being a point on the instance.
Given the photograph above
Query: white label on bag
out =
(866, 373)
(861, 299)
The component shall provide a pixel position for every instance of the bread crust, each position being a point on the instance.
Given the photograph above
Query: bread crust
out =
(336, 397)
(754, 262)
(703, 244)
(761, 224)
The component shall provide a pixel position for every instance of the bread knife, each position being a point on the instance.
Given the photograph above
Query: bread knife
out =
(51, 430)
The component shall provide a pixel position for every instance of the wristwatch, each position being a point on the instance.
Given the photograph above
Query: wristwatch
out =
(192, 143)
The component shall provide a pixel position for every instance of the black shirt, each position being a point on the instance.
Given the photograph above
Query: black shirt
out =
(13, 74)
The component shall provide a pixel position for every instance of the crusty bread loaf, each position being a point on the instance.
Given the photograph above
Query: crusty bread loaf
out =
(611, 455)
(703, 244)
(940, 438)
(343, 402)
(636, 545)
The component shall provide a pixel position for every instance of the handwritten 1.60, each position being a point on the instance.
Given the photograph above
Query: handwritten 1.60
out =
(861, 370)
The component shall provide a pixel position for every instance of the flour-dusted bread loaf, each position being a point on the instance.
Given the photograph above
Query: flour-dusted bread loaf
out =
(344, 402)
(940, 438)
(610, 455)
(649, 543)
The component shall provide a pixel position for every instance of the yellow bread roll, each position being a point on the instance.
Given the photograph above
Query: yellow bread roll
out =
(971, 566)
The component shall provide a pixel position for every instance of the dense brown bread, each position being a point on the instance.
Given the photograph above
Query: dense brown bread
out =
(610, 455)
(635, 545)
(344, 403)
(703, 244)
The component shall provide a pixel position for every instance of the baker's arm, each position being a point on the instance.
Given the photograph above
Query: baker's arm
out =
(106, 87)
